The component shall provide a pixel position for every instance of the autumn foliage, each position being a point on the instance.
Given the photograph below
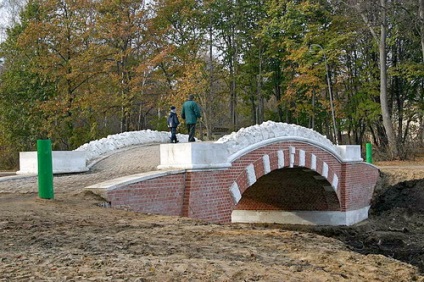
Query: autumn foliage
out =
(75, 71)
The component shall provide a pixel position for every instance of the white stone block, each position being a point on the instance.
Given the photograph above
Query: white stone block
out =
(267, 164)
(314, 162)
(251, 175)
(302, 158)
(350, 153)
(62, 161)
(280, 154)
(292, 151)
(235, 192)
(193, 155)
(335, 182)
(325, 170)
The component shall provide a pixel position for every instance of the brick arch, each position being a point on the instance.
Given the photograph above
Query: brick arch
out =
(289, 189)
(206, 180)
(284, 155)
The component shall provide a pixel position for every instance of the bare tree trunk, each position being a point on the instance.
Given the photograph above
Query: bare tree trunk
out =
(232, 67)
(381, 41)
(421, 22)
(233, 98)
(385, 109)
(208, 123)
(260, 114)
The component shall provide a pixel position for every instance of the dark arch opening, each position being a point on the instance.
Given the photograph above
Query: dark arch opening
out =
(290, 189)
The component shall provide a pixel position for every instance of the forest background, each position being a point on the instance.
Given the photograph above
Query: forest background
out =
(76, 71)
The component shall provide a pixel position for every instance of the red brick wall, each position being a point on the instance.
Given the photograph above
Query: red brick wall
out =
(358, 185)
(205, 194)
(162, 195)
(208, 197)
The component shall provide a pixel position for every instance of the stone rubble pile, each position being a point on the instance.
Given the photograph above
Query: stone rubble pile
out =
(245, 137)
(235, 141)
(96, 148)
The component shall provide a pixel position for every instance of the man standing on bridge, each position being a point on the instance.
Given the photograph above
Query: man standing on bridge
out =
(190, 113)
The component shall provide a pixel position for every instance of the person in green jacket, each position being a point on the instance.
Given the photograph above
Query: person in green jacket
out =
(190, 112)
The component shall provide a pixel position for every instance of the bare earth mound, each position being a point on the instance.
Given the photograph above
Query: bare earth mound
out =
(72, 238)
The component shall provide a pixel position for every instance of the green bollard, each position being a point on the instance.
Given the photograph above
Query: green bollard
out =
(45, 169)
(368, 149)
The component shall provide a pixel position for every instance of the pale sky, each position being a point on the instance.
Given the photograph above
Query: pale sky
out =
(4, 20)
(8, 10)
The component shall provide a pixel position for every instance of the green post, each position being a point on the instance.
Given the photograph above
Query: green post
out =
(45, 169)
(368, 149)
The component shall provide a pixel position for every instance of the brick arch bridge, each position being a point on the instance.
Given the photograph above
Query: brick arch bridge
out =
(273, 178)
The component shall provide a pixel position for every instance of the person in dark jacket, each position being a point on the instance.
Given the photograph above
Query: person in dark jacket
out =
(173, 123)
(190, 112)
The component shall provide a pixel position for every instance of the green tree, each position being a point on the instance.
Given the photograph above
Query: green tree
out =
(21, 89)
(59, 41)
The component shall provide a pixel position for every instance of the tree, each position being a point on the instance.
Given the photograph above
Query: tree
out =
(121, 28)
(227, 29)
(21, 89)
(380, 39)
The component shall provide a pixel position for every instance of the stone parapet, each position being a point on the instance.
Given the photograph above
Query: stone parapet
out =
(350, 153)
(63, 162)
(195, 155)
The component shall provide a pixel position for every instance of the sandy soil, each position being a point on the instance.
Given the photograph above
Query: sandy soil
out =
(72, 238)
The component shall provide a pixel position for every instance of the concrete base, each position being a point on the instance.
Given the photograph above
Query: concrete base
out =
(333, 218)
(63, 162)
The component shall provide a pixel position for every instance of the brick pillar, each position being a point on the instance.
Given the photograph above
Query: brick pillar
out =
(186, 196)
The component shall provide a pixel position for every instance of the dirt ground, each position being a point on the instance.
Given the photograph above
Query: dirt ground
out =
(73, 238)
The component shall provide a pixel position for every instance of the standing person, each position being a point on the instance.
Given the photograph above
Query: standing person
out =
(190, 112)
(173, 123)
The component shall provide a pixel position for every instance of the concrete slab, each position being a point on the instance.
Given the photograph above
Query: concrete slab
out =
(301, 217)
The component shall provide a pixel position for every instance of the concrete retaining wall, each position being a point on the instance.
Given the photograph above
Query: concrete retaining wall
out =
(63, 162)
